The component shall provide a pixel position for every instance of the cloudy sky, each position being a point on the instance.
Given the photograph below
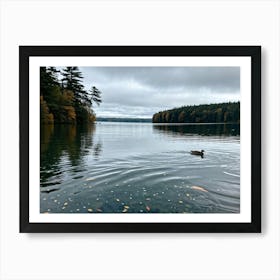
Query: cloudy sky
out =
(143, 91)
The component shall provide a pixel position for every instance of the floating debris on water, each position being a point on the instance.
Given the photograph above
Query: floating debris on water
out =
(65, 203)
(99, 210)
(126, 207)
(180, 201)
(148, 208)
(198, 188)
(90, 210)
(124, 210)
(117, 200)
(90, 179)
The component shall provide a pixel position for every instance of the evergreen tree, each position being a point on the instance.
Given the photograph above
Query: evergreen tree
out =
(95, 95)
(207, 113)
(48, 80)
(72, 80)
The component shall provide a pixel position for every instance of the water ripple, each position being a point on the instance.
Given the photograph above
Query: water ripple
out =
(159, 176)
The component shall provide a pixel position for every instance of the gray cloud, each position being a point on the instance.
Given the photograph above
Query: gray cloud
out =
(142, 91)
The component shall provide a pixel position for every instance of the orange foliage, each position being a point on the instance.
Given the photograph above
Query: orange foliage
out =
(46, 116)
(70, 113)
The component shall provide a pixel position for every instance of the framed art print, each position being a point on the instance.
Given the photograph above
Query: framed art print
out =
(140, 138)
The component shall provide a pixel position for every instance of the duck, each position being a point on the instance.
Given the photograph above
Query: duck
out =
(198, 153)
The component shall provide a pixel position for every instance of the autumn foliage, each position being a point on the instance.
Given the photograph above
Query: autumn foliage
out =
(65, 100)
(208, 113)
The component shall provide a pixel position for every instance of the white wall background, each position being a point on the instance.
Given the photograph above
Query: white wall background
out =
(139, 256)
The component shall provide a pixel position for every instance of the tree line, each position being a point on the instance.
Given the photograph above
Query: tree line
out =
(63, 98)
(207, 113)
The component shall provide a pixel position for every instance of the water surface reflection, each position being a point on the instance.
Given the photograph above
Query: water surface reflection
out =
(140, 168)
(199, 129)
(65, 143)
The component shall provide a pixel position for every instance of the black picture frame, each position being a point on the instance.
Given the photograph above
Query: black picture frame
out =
(254, 52)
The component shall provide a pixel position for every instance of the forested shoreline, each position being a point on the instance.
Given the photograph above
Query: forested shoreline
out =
(207, 113)
(63, 98)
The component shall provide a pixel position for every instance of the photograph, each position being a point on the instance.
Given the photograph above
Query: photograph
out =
(139, 139)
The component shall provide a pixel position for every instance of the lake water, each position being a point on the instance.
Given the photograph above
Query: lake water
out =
(115, 167)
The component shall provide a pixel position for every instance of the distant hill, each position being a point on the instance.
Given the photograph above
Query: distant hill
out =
(207, 113)
(123, 120)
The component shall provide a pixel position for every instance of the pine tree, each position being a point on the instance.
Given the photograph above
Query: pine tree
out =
(72, 80)
(48, 80)
(95, 95)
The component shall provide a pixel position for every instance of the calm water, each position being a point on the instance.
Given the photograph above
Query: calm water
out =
(140, 168)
